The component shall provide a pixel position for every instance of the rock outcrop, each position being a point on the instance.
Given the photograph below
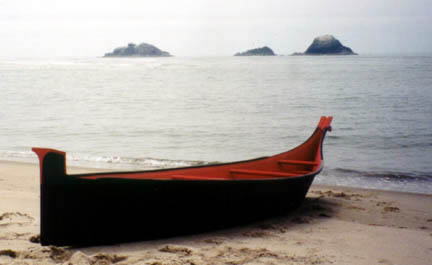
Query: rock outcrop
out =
(327, 45)
(142, 50)
(264, 51)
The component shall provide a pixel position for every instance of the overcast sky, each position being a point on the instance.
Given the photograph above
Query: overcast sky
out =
(44, 28)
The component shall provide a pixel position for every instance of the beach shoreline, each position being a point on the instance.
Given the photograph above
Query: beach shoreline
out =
(335, 225)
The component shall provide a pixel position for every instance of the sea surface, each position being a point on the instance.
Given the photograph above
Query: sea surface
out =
(142, 113)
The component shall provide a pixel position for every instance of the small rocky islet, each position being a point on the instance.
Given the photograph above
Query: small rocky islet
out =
(141, 50)
(326, 45)
(264, 51)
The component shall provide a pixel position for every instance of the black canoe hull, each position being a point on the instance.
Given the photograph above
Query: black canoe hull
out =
(114, 207)
(76, 211)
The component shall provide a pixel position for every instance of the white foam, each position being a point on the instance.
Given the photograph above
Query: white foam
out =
(116, 162)
(105, 162)
(18, 156)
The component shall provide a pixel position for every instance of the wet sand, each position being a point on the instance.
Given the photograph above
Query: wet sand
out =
(335, 225)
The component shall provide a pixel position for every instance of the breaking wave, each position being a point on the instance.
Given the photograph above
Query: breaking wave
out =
(386, 175)
(106, 162)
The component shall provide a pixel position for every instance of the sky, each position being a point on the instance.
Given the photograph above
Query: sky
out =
(57, 28)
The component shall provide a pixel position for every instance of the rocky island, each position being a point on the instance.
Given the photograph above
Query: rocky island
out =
(326, 45)
(264, 51)
(142, 50)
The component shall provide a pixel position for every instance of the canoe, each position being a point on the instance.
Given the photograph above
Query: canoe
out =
(114, 207)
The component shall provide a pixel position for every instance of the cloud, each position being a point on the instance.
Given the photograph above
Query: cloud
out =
(186, 27)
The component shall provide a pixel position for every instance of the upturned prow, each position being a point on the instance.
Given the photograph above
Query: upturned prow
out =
(55, 159)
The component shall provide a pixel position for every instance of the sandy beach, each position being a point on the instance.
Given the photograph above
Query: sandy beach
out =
(335, 225)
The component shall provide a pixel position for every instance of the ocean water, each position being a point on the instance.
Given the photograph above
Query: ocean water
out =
(143, 113)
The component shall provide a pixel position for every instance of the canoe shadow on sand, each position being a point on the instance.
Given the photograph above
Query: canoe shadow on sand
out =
(312, 211)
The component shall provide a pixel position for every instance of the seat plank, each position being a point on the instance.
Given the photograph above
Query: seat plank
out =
(190, 177)
(298, 162)
(262, 173)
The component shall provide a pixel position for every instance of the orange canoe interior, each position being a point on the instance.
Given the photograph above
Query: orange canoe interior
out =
(302, 160)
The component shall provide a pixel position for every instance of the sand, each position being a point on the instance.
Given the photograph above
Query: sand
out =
(334, 226)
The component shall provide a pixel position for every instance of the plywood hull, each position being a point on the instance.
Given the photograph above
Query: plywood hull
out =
(103, 211)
